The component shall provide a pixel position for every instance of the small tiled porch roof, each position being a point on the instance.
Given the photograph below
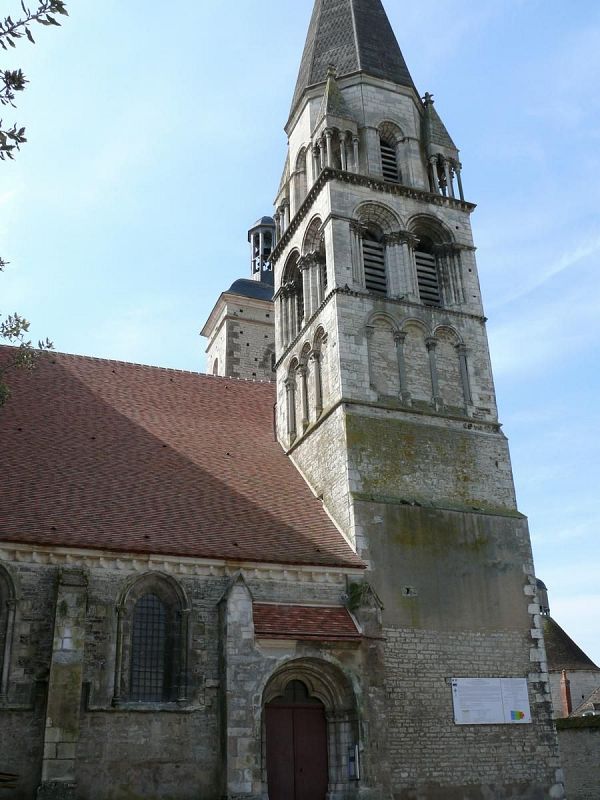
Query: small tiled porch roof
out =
(325, 624)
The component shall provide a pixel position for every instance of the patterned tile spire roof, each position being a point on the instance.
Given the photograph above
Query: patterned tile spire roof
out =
(353, 36)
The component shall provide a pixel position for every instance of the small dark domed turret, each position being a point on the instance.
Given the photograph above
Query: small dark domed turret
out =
(262, 240)
(542, 591)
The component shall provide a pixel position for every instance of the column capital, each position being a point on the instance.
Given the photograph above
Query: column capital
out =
(301, 370)
(358, 228)
(399, 338)
(315, 356)
(289, 383)
(369, 331)
(409, 238)
(431, 343)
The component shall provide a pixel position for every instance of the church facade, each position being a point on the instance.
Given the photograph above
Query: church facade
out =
(303, 576)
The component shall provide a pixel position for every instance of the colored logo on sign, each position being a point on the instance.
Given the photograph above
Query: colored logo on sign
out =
(517, 716)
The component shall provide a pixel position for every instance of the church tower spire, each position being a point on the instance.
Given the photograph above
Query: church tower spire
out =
(386, 400)
(355, 36)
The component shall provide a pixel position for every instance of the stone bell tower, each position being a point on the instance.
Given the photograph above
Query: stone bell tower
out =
(386, 400)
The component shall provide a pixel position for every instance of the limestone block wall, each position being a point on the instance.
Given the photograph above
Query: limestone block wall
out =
(458, 597)
(580, 752)
(428, 460)
(431, 757)
(118, 750)
(242, 342)
(22, 707)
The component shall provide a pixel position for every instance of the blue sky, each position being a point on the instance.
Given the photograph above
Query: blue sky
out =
(155, 140)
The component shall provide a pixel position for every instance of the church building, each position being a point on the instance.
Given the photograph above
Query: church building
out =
(302, 575)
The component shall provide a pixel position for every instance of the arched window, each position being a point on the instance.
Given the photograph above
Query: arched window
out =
(290, 396)
(293, 299)
(215, 370)
(150, 666)
(389, 161)
(152, 642)
(428, 278)
(300, 180)
(314, 249)
(373, 249)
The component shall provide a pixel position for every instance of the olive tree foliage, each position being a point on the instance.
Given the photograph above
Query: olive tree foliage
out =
(14, 328)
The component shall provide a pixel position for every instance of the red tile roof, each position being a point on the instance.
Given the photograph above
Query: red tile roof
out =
(109, 455)
(304, 622)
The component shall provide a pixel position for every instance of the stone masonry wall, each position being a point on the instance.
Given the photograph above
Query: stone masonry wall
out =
(580, 752)
(151, 750)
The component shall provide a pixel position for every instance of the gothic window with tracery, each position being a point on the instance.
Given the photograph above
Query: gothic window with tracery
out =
(152, 638)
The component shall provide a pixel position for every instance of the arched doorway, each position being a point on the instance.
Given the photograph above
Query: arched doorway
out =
(296, 730)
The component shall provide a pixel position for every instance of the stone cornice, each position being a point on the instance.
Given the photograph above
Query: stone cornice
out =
(15, 552)
(375, 184)
(465, 422)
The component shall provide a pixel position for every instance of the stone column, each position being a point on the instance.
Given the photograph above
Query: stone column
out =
(302, 373)
(322, 152)
(64, 688)
(393, 263)
(290, 396)
(458, 170)
(305, 266)
(320, 278)
(315, 161)
(328, 137)
(240, 679)
(117, 691)
(355, 143)
(358, 270)
(11, 605)
(277, 226)
(435, 184)
(286, 215)
(464, 374)
(399, 339)
(343, 153)
(370, 332)
(315, 357)
(431, 345)
(408, 274)
(448, 174)
(294, 321)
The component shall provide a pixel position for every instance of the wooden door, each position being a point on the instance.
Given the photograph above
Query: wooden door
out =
(297, 766)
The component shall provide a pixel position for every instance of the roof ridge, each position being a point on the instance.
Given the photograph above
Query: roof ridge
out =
(153, 367)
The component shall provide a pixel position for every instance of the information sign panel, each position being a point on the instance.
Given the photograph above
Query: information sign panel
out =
(491, 701)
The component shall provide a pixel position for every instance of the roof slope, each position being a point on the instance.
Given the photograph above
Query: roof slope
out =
(352, 35)
(561, 650)
(109, 455)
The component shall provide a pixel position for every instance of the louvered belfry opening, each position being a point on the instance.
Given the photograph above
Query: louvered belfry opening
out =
(149, 663)
(389, 162)
(428, 277)
(374, 263)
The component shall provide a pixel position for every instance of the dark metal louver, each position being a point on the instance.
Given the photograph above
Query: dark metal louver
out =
(428, 279)
(374, 262)
(389, 163)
